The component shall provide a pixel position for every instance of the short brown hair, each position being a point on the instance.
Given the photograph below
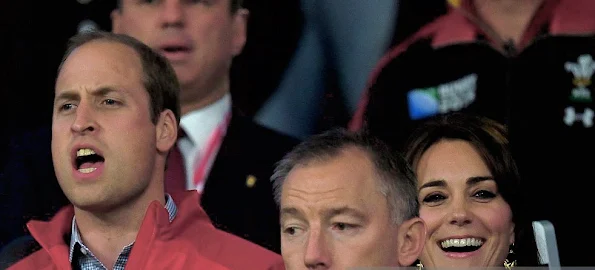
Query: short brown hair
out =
(159, 77)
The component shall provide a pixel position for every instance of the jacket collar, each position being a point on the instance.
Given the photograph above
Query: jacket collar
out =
(54, 235)
(462, 24)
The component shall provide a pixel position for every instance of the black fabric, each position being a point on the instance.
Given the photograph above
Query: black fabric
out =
(248, 149)
(422, 67)
(28, 185)
(17, 250)
(555, 159)
(529, 92)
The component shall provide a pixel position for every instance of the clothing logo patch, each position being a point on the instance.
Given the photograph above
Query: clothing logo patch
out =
(451, 96)
(583, 71)
(571, 116)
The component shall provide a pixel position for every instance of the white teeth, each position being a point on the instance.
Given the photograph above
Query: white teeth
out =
(463, 242)
(87, 170)
(85, 152)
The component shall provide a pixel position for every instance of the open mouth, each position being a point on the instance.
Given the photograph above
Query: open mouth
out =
(461, 245)
(87, 160)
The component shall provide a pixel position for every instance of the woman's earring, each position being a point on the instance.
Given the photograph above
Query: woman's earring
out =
(510, 262)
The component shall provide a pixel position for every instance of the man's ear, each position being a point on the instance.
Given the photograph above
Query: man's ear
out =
(412, 237)
(239, 30)
(116, 18)
(167, 131)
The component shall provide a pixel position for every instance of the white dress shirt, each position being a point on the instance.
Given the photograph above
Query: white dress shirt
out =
(199, 126)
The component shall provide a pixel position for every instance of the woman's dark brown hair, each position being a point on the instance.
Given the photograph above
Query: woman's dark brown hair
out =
(490, 140)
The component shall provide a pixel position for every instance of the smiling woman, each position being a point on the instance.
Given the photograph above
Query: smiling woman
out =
(468, 186)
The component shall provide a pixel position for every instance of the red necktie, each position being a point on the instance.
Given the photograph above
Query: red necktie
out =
(175, 175)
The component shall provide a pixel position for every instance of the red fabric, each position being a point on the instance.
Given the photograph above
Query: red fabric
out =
(190, 241)
(175, 175)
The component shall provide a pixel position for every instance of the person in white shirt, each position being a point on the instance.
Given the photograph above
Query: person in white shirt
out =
(226, 156)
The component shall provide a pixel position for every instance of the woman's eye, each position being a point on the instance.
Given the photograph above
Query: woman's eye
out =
(434, 198)
(484, 194)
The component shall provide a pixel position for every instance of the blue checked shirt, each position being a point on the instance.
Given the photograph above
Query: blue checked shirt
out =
(85, 259)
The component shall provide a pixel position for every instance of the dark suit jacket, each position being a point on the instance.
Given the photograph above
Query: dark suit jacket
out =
(248, 152)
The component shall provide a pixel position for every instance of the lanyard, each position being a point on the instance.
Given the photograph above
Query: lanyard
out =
(204, 162)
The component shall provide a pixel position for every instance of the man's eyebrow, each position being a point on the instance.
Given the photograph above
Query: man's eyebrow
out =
(344, 210)
(291, 212)
(103, 91)
(67, 95)
(73, 95)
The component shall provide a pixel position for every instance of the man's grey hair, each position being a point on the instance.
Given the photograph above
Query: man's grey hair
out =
(396, 178)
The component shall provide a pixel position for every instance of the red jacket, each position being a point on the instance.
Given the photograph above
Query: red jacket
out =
(190, 241)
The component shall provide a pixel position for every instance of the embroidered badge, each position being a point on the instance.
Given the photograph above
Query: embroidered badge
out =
(583, 71)
(451, 96)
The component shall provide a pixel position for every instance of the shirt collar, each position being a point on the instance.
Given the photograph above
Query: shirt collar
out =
(200, 124)
(75, 238)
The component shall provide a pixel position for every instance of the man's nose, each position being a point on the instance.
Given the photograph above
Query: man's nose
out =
(317, 255)
(84, 121)
(172, 14)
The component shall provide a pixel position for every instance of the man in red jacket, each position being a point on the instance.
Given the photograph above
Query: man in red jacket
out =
(115, 118)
